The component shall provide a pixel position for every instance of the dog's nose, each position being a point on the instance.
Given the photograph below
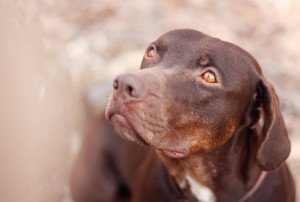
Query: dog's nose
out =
(129, 87)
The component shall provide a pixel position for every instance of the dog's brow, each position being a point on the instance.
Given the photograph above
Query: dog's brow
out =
(204, 59)
(160, 44)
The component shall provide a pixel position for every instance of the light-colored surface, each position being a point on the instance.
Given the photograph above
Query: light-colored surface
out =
(51, 51)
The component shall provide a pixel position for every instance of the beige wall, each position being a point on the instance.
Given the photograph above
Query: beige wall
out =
(36, 115)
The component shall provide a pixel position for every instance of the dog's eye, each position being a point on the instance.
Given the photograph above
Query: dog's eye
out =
(150, 52)
(209, 77)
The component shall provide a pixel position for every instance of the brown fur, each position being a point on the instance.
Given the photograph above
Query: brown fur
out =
(222, 135)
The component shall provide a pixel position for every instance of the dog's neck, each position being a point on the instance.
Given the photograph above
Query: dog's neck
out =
(227, 172)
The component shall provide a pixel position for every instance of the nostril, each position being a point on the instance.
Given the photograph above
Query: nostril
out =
(116, 84)
(130, 91)
(129, 87)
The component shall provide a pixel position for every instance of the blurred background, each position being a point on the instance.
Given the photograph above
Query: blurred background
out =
(52, 52)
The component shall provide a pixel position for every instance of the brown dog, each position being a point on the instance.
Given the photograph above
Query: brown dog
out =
(212, 121)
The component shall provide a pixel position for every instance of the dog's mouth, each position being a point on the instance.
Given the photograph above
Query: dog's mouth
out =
(175, 153)
(125, 129)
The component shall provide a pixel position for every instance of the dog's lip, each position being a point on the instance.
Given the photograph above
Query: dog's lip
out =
(120, 119)
(123, 121)
(175, 153)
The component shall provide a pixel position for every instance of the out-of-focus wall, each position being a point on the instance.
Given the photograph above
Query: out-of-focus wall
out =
(52, 51)
(39, 114)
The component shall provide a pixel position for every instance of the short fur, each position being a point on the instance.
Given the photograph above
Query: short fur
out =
(216, 136)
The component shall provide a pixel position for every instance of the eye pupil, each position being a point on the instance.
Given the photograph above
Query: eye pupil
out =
(209, 77)
(150, 53)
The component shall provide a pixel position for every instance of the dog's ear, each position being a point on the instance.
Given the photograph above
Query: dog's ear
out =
(274, 144)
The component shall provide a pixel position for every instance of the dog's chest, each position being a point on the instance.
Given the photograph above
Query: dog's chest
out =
(201, 192)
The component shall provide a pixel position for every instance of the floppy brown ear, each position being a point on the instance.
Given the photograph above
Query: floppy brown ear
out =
(274, 146)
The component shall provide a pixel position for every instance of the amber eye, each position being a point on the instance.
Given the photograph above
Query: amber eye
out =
(150, 52)
(209, 77)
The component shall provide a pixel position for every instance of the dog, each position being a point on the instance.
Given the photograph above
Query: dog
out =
(209, 124)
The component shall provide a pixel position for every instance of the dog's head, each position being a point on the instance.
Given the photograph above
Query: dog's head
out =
(192, 93)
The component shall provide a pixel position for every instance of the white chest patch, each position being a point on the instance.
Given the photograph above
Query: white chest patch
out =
(202, 193)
